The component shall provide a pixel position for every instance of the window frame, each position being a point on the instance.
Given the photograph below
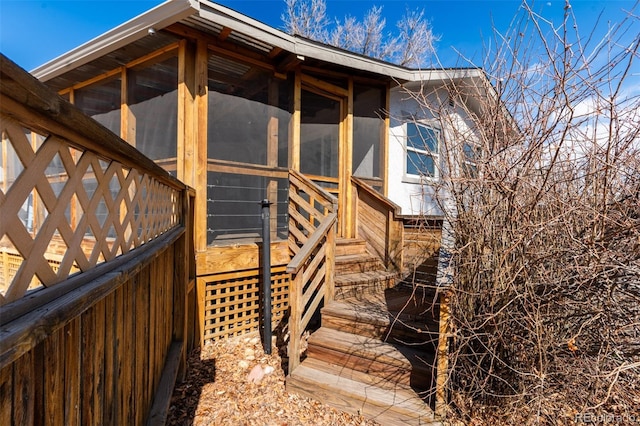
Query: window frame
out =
(434, 155)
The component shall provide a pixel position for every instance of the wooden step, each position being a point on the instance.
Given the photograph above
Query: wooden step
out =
(398, 363)
(355, 284)
(349, 246)
(374, 320)
(354, 263)
(391, 407)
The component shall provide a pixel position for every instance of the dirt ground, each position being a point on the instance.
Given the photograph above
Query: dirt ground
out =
(217, 391)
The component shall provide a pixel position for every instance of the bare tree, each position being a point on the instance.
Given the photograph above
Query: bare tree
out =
(412, 46)
(542, 189)
(306, 18)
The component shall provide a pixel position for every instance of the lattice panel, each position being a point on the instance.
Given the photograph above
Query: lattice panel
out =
(11, 264)
(59, 202)
(232, 302)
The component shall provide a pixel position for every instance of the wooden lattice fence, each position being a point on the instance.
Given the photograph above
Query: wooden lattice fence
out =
(232, 301)
(98, 272)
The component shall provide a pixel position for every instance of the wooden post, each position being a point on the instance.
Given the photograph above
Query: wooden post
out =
(346, 169)
(294, 128)
(200, 304)
(295, 319)
(180, 284)
(443, 355)
(200, 178)
(273, 138)
(330, 261)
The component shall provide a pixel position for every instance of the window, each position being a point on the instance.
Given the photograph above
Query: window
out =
(422, 151)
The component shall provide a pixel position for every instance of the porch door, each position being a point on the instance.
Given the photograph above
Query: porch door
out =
(320, 139)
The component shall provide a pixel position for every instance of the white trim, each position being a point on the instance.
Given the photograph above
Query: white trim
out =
(436, 156)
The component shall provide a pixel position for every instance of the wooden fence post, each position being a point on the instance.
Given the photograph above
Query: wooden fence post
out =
(443, 355)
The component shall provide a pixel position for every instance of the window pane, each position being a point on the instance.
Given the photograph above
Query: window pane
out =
(471, 152)
(420, 164)
(422, 137)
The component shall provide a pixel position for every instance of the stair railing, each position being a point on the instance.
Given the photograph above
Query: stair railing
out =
(378, 222)
(312, 241)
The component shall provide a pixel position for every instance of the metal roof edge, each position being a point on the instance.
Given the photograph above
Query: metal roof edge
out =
(336, 55)
(445, 74)
(158, 17)
(245, 24)
(172, 11)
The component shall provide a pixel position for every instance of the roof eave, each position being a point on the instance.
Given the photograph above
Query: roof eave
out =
(159, 17)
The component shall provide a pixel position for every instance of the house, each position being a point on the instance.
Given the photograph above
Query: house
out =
(347, 161)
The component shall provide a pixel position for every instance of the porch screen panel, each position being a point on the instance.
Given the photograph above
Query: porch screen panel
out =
(153, 101)
(368, 128)
(319, 135)
(102, 102)
(233, 206)
(248, 125)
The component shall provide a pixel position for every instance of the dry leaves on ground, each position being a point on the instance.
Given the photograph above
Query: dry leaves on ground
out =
(217, 391)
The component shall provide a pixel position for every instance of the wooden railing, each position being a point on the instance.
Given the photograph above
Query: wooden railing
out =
(312, 240)
(103, 345)
(309, 204)
(378, 222)
(329, 184)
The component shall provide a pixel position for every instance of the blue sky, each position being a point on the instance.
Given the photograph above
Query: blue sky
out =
(33, 32)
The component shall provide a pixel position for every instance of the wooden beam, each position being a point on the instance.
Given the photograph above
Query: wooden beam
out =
(201, 142)
(224, 33)
(346, 192)
(236, 167)
(164, 390)
(288, 63)
(273, 138)
(325, 86)
(182, 110)
(97, 79)
(238, 256)
(294, 127)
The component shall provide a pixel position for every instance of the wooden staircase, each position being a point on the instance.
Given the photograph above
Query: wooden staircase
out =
(357, 271)
(374, 351)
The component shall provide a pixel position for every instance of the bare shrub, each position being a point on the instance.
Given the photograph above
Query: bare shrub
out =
(542, 192)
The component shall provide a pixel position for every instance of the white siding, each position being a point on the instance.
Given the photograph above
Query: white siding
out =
(417, 196)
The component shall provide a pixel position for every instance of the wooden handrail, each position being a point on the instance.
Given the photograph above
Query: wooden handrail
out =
(396, 209)
(310, 186)
(312, 239)
(379, 223)
(305, 252)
